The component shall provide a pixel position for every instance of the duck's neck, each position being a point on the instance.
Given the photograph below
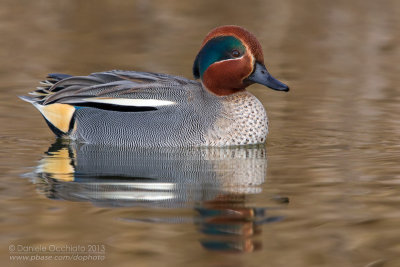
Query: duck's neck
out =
(222, 91)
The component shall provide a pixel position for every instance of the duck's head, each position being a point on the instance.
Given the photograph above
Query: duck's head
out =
(230, 59)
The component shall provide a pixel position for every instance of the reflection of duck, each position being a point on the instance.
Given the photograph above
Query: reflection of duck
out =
(213, 181)
(115, 176)
(230, 225)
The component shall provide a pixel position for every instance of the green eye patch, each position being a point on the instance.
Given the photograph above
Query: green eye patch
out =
(217, 49)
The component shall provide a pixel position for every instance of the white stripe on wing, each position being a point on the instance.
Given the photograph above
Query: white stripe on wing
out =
(130, 102)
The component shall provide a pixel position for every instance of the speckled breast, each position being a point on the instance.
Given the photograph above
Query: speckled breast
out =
(243, 121)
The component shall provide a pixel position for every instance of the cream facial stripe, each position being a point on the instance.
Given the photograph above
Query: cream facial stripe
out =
(253, 61)
(131, 102)
(229, 59)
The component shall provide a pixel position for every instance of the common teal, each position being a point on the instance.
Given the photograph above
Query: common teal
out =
(145, 109)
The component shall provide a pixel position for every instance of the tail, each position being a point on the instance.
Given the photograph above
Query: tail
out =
(58, 116)
(47, 88)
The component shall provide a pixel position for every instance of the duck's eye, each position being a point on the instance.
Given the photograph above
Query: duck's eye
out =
(235, 53)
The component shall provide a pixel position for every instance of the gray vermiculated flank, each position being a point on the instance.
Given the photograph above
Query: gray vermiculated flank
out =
(182, 124)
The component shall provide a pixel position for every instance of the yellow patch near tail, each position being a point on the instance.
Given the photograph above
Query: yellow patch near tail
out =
(59, 115)
(58, 165)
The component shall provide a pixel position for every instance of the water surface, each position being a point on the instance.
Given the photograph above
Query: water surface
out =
(322, 192)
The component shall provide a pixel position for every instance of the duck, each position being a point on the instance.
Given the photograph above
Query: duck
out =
(146, 109)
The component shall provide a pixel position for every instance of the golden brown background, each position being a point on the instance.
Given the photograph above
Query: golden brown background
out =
(334, 144)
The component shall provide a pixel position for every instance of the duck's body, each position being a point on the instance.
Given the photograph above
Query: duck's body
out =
(151, 110)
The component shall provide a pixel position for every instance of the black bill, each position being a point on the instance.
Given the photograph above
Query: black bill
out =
(261, 75)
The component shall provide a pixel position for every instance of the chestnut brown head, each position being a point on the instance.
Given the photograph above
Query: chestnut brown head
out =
(230, 59)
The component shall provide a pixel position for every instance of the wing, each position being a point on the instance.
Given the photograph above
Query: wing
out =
(127, 91)
(115, 89)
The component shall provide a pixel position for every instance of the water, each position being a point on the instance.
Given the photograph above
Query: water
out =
(322, 192)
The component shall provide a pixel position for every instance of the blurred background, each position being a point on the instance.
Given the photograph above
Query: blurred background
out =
(333, 149)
